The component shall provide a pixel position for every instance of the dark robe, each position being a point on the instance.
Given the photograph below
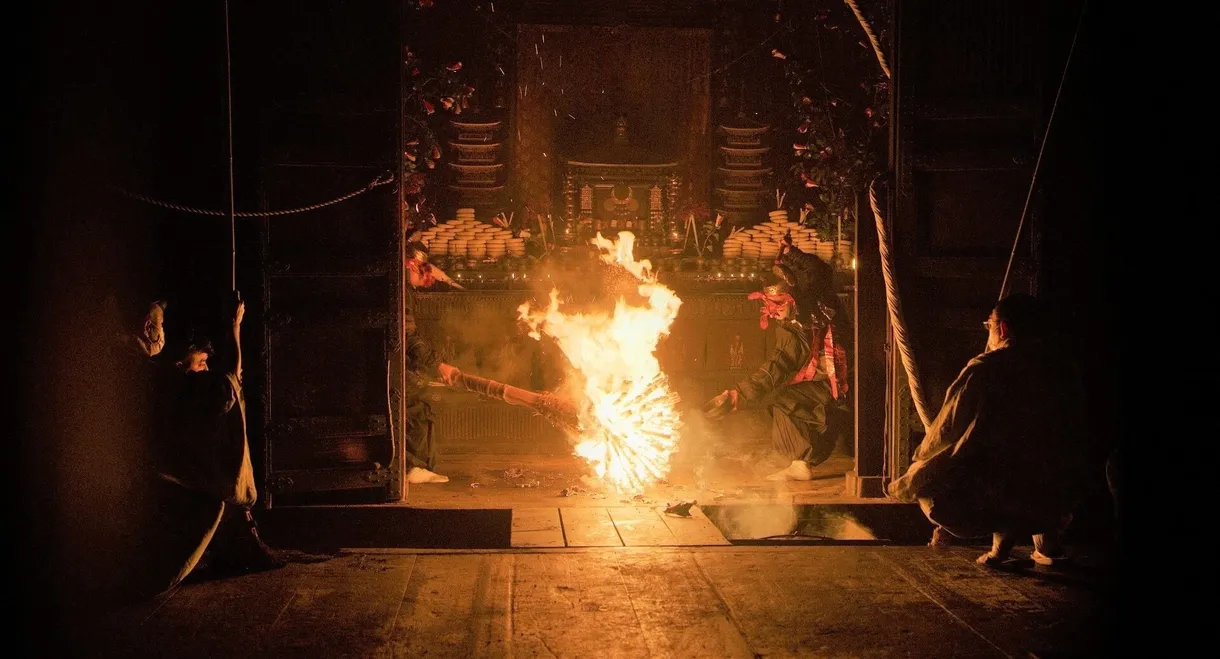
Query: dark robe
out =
(798, 411)
(205, 447)
(422, 362)
(818, 306)
(1006, 452)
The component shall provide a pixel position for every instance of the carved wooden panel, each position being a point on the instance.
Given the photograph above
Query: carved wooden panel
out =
(979, 224)
(735, 345)
(328, 120)
(328, 371)
(301, 295)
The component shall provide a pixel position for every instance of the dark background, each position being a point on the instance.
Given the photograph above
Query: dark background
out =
(132, 96)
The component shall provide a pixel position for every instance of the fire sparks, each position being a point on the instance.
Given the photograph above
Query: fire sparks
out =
(629, 424)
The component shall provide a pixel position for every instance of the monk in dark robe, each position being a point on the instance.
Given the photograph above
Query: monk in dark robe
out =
(1006, 454)
(203, 463)
(790, 386)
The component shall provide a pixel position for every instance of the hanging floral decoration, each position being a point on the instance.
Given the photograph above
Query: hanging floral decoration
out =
(428, 96)
(837, 130)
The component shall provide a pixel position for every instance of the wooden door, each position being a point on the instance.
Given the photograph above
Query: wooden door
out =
(975, 80)
(326, 94)
(333, 337)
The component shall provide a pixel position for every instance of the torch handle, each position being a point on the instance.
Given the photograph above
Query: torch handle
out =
(557, 409)
(478, 385)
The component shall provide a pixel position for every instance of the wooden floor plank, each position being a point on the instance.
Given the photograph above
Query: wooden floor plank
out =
(640, 526)
(573, 605)
(679, 612)
(273, 614)
(589, 527)
(250, 605)
(536, 479)
(356, 606)
(829, 602)
(694, 530)
(992, 602)
(825, 601)
(456, 605)
(537, 527)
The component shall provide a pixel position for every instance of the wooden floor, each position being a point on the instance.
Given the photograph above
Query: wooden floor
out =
(622, 526)
(722, 465)
(590, 573)
(484, 480)
(621, 602)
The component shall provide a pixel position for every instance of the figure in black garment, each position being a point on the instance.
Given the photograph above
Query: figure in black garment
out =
(790, 386)
(424, 367)
(818, 307)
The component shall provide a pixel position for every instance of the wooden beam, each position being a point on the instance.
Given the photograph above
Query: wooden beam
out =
(589, 527)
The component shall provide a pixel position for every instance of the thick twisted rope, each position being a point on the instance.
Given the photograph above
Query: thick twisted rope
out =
(872, 38)
(897, 318)
(379, 181)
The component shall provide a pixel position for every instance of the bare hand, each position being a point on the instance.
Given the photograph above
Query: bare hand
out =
(450, 375)
(785, 243)
(239, 308)
(722, 404)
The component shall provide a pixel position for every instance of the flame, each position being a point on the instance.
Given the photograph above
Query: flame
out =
(629, 423)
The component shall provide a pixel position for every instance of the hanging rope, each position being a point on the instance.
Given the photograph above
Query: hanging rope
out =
(872, 38)
(379, 181)
(232, 194)
(1041, 149)
(894, 303)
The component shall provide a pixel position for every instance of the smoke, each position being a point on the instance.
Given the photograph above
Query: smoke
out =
(483, 341)
(728, 448)
(773, 520)
(737, 449)
(490, 341)
(754, 521)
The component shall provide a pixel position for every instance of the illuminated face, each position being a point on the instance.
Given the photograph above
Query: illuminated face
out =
(997, 333)
(152, 336)
(779, 311)
(195, 361)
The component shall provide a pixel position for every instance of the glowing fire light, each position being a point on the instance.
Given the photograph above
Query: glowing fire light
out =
(629, 424)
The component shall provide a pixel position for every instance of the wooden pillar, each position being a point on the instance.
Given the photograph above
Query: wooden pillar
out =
(869, 367)
(872, 398)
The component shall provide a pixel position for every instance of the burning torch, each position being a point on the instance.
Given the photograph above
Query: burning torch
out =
(556, 409)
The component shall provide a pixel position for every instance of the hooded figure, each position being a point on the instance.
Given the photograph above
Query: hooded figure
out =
(789, 385)
(818, 307)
